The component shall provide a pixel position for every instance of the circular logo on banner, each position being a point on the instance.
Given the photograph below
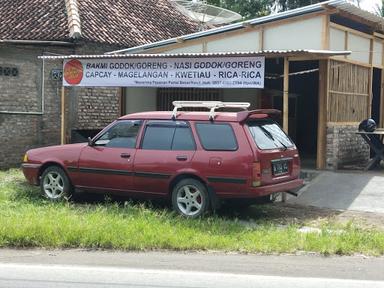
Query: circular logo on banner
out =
(73, 72)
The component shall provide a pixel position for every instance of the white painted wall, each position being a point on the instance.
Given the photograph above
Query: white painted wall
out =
(336, 39)
(378, 52)
(197, 48)
(304, 34)
(140, 99)
(243, 42)
(360, 48)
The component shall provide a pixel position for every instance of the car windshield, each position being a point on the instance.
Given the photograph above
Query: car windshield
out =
(267, 134)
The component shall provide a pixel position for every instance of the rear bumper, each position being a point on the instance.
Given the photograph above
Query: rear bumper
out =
(31, 172)
(292, 185)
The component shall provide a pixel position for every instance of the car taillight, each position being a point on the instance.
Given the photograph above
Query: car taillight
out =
(256, 174)
(25, 158)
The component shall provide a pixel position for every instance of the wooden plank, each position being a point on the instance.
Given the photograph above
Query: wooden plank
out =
(370, 80)
(322, 115)
(381, 124)
(362, 64)
(325, 34)
(63, 124)
(349, 93)
(285, 94)
(285, 106)
(378, 35)
(261, 39)
(350, 30)
(342, 124)
(346, 39)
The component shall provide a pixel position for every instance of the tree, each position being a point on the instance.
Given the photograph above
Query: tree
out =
(246, 8)
(379, 9)
(284, 5)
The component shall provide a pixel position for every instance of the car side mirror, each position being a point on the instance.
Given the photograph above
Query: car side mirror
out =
(90, 142)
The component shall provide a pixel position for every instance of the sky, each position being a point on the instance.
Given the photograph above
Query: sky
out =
(369, 5)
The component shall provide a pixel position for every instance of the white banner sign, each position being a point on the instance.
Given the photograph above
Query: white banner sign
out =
(224, 72)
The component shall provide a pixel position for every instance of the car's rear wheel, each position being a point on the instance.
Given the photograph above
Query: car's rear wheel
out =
(190, 198)
(54, 184)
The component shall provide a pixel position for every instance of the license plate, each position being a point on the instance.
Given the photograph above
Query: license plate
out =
(279, 167)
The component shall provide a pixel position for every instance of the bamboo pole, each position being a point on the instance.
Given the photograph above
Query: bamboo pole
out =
(285, 106)
(62, 115)
(322, 115)
(285, 94)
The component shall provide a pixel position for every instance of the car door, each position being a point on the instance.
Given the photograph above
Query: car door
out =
(167, 148)
(108, 163)
(225, 157)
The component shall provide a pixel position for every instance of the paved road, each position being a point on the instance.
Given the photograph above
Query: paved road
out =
(359, 191)
(76, 268)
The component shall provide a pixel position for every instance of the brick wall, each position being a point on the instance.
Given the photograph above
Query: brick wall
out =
(86, 108)
(97, 107)
(344, 147)
(23, 93)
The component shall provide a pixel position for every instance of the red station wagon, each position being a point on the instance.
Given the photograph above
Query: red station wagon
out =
(194, 159)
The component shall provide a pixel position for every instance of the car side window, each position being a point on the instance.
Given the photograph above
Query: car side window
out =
(123, 134)
(183, 139)
(216, 137)
(168, 135)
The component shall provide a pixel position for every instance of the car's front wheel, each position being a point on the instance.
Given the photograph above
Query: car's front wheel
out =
(190, 198)
(55, 184)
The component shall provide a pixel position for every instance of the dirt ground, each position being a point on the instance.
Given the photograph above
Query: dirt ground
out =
(284, 213)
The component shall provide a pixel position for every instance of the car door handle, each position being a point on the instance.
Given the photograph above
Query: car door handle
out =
(125, 155)
(182, 158)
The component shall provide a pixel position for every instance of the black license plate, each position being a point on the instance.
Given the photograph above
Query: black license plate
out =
(279, 167)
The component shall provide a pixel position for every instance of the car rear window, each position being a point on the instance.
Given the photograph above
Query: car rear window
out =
(218, 137)
(267, 134)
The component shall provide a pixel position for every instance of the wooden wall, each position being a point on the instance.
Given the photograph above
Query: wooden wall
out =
(349, 86)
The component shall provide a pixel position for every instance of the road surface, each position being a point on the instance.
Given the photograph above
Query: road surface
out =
(76, 268)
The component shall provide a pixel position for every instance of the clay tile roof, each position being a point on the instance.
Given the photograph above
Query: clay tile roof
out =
(132, 22)
(118, 22)
(33, 20)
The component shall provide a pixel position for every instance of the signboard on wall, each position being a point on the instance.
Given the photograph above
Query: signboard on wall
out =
(223, 72)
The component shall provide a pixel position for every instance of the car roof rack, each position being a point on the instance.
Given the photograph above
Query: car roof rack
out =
(211, 105)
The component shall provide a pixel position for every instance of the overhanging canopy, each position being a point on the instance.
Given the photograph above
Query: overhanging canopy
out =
(265, 53)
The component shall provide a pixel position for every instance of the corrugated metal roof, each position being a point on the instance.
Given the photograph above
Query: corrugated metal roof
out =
(342, 5)
(356, 11)
(266, 53)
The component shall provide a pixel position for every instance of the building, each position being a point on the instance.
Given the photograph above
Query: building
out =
(30, 88)
(327, 96)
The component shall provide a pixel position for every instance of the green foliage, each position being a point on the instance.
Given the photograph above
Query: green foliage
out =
(284, 5)
(246, 8)
(379, 9)
(28, 220)
(253, 9)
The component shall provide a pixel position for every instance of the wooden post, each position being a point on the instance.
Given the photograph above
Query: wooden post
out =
(382, 99)
(285, 94)
(370, 79)
(285, 107)
(63, 132)
(261, 39)
(322, 115)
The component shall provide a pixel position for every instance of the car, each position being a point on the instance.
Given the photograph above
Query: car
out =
(194, 159)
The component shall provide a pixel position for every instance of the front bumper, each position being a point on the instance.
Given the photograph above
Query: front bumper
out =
(31, 172)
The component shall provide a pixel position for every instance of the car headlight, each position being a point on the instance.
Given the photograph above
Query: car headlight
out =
(25, 159)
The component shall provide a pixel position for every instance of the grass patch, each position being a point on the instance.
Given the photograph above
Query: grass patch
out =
(28, 220)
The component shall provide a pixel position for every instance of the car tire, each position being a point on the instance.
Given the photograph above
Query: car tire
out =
(55, 185)
(190, 198)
